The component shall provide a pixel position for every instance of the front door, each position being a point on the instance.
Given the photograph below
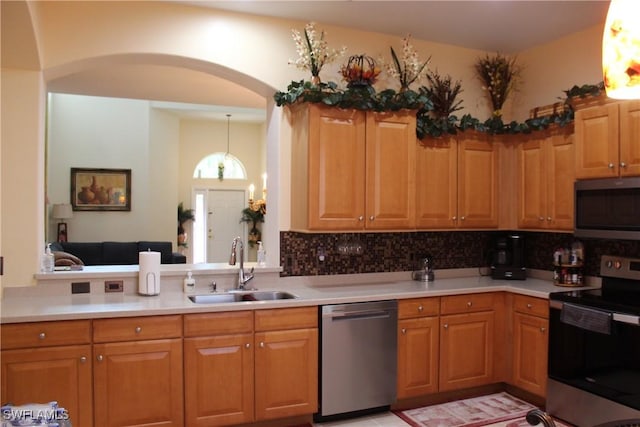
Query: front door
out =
(224, 211)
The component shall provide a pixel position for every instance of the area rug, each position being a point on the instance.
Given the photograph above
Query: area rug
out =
(474, 412)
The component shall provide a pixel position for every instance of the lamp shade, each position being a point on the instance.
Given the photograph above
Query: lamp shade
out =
(62, 211)
(621, 50)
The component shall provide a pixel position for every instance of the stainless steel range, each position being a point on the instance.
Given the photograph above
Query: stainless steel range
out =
(594, 348)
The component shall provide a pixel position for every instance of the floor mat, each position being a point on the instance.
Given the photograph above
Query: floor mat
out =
(474, 412)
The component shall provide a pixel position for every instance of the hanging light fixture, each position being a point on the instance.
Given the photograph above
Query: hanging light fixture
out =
(621, 50)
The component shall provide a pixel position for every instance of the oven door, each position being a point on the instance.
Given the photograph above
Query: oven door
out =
(596, 351)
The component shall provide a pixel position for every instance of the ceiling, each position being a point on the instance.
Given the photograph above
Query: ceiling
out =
(504, 26)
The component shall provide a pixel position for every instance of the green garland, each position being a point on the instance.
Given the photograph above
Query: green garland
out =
(366, 98)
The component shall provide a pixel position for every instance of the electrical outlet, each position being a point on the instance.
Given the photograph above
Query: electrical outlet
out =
(80, 287)
(113, 286)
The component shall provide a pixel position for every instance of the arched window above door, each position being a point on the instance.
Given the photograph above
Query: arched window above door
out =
(208, 167)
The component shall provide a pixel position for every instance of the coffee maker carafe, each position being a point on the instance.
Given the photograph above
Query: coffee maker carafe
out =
(507, 257)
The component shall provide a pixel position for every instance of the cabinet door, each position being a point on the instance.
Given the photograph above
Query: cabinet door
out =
(477, 183)
(560, 176)
(596, 142)
(286, 373)
(530, 344)
(417, 356)
(138, 383)
(532, 194)
(466, 350)
(336, 159)
(218, 380)
(390, 166)
(629, 137)
(436, 183)
(43, 375)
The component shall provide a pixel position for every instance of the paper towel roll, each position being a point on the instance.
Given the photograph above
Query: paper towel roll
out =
(149, 273)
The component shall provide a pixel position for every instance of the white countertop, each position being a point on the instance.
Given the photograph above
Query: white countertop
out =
(37, 304)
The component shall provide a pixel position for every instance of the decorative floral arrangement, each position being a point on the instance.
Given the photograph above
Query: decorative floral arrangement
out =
(409, 68)
(499, 74)
(313, 52)
(360, 70)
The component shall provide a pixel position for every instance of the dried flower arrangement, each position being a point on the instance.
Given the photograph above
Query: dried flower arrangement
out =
(360, 70)
(443, 93)
(313, 52)
(499, 74)
(409, 68)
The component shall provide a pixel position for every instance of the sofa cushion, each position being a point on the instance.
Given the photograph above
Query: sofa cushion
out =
(164, 248)
(119, 253)
(89, 252)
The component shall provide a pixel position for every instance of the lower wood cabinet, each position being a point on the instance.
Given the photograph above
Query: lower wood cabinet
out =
(530, 344)
(47, 361)
(418, 336)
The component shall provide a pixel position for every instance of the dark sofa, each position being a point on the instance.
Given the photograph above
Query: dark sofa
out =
(117, 253)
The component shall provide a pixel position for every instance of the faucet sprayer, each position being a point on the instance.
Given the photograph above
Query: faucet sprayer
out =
(243, 277)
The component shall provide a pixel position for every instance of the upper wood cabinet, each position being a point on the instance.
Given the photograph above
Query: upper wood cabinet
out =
(457, 182)
(545, 179)
(606, 140)
(351, 169)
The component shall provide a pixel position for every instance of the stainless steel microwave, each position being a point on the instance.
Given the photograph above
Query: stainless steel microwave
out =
(608, 208)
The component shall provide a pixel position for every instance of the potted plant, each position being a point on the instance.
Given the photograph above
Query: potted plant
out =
(184, 215)
(254, 217)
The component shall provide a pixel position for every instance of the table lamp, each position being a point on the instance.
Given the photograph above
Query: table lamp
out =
(62, 211)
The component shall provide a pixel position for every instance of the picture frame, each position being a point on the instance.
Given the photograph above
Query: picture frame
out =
(99, 189)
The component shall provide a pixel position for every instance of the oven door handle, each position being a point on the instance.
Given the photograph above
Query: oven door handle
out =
(626, 318)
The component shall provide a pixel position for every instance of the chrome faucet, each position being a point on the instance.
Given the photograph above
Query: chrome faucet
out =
(243, 278)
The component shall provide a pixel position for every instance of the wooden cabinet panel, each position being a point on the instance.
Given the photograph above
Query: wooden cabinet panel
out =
(218, 379)
(418, 356)
(531, 305)
(138, 383)
(597, 136)
(629, 137)
(286, 373)
(43, 375)
(417, 307)
(467, 303)
(530, 345)
(466, 350)
(137, 328)
(286, 318)
(560, 175)
(45, 334)
(232, 322)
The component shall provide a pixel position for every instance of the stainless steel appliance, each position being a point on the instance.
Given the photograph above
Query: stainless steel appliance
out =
(358, 367)
(507, 257)
(608, 208)
(594, 348)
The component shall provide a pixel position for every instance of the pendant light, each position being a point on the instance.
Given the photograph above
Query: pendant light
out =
(621, 50)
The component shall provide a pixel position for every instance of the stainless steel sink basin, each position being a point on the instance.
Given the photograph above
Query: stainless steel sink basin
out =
(241, 297)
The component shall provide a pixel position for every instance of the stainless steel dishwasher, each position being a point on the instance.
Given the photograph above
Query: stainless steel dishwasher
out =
(358, 368)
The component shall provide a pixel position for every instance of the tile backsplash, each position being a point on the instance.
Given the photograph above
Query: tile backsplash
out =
(306, 254)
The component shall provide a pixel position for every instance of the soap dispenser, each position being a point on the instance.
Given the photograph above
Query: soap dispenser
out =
(48, 261)
(262, 258)
(189, 283)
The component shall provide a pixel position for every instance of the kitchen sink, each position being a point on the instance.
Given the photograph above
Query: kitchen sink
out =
(241, 297)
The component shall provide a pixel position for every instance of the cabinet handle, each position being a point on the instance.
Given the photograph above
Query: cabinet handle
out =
(549, 218)
(610, 165)
(454, 217)
(42, 335)
(541, 218)
(420, 308)
(360, 218)
(529, 306)
(83, 359)
(469, 304)
(138, 329)
(543, 329)
(371, 218)
(404, 331)
(446, 326)
(462, 218)
(247, 345)
(623, 165)
(261, 344)
(99, 357)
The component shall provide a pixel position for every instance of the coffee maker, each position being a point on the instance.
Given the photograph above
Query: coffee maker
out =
(507, 257)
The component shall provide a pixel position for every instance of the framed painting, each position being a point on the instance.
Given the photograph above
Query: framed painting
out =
(100, 189)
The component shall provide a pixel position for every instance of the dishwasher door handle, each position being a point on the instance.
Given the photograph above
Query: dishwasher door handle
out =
(368, 314)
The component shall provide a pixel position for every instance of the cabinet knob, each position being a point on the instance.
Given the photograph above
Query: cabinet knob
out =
(541, 218)
(360, 218)
(247, 345)
(371, 218)
(623, 165)
(454, 217)
(404, 331)
(42, 335)
(138, 329)
(420, 308)
(543, 329)
(261, 344)
(99, 357)
(549, 218)
(83, 359)
(610, 165)
(529, 306)
(446, 326)
(462, 218)
(469, 304)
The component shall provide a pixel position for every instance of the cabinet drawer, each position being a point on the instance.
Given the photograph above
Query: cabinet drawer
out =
(466, 303)
(417, 307)
(45, 334)
(286, 318)
(531, 305)
(233, 322)
(137, 328)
